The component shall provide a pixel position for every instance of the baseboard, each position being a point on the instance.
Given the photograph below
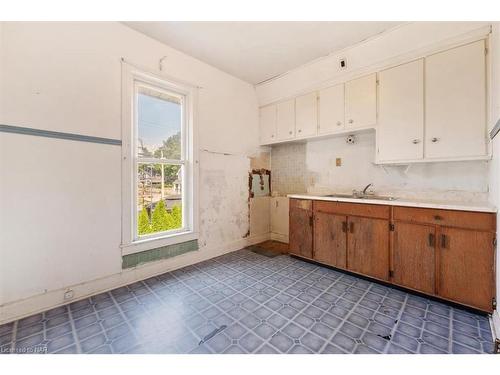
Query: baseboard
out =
(32, 305)
(279, 237)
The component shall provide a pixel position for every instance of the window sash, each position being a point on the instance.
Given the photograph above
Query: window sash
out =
(160, 161)
(183, 162)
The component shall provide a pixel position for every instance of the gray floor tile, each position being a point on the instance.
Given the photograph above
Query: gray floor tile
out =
(243, 302)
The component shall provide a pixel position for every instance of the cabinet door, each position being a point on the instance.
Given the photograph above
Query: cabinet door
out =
(300, 242)
(455, 100)
(267, 124)
(331, 109)
(466, 263)
(279, 215)
(413, 254)
(368, 246)
(361, 102)
(330, 239)
(285, 120)
(306, 107)
(400, 128)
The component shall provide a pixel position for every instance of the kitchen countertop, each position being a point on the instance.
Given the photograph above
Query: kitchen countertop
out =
(406, 202)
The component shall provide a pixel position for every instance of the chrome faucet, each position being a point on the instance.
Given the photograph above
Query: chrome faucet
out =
(366, 188)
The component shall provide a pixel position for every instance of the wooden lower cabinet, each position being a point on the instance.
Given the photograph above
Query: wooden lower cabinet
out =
(368, 246)
(414, 256)
(443, 253)
(330, 239)
(300, 236)
(466, 271)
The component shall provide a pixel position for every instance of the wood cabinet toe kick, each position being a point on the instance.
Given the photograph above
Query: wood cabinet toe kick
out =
(447, 254)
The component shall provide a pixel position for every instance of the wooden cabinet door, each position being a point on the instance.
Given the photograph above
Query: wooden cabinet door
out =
(306, 107)
(361, 102)
(330, 239)
(400, 128)
(368, 246)
(300, 237)
(285, 120)
(455, 102)
(267, 124)
(331, 109)
(466, 263)
(414, 256)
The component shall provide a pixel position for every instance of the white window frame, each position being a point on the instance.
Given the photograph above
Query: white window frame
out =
(132, 77)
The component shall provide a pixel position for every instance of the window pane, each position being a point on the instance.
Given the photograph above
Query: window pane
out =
(159, 198)
(159, 117)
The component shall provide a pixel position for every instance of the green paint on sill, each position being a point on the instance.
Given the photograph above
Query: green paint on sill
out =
(170, 251)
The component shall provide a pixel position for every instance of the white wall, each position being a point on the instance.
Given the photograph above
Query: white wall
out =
(311, 167)
(60, 200)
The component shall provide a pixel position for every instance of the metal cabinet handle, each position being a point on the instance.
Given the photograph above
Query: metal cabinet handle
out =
(290, 132)
(344, 226)
(443, 241)
(300, 130)
(351, 121)
(416, 141)
(432, 239)
(434, 140)
(339, 123)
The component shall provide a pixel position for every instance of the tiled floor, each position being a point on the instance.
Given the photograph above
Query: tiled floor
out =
(247, 303)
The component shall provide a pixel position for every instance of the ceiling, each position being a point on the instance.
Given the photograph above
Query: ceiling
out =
(258, 51)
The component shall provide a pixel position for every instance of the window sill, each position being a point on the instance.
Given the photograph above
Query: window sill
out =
(153, 243)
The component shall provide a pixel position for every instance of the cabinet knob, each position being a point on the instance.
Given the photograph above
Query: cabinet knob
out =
(416, 141)
(351, 121)
(290, 132)
(434, 140)
(339, 123)
(300, 131)
(272, 136)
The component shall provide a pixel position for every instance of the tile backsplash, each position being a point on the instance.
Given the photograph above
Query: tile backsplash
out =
(311, 168)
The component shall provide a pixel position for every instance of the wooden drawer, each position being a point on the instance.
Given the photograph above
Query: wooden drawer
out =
(304, 204)
(353, 209)
(448, 218)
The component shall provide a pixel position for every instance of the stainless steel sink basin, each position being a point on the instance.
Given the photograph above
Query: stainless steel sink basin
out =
(357, 196)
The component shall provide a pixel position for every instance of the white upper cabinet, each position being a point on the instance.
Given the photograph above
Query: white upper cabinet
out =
(285, 123)
(331, 109)
(306, 111)
(455, 115)
(268, 124)
(361, 102)
(400, 127)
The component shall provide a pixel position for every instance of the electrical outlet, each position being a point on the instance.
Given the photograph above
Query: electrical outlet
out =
(338, 162)
(69, 294)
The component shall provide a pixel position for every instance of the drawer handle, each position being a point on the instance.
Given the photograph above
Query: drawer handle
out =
(416, 141)
(438, 218)
(432, 239)
(434, 140)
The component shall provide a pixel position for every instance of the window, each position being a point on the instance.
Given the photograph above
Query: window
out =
(158, 162)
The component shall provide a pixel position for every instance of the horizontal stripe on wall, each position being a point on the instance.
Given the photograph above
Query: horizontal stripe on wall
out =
(58, 135)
